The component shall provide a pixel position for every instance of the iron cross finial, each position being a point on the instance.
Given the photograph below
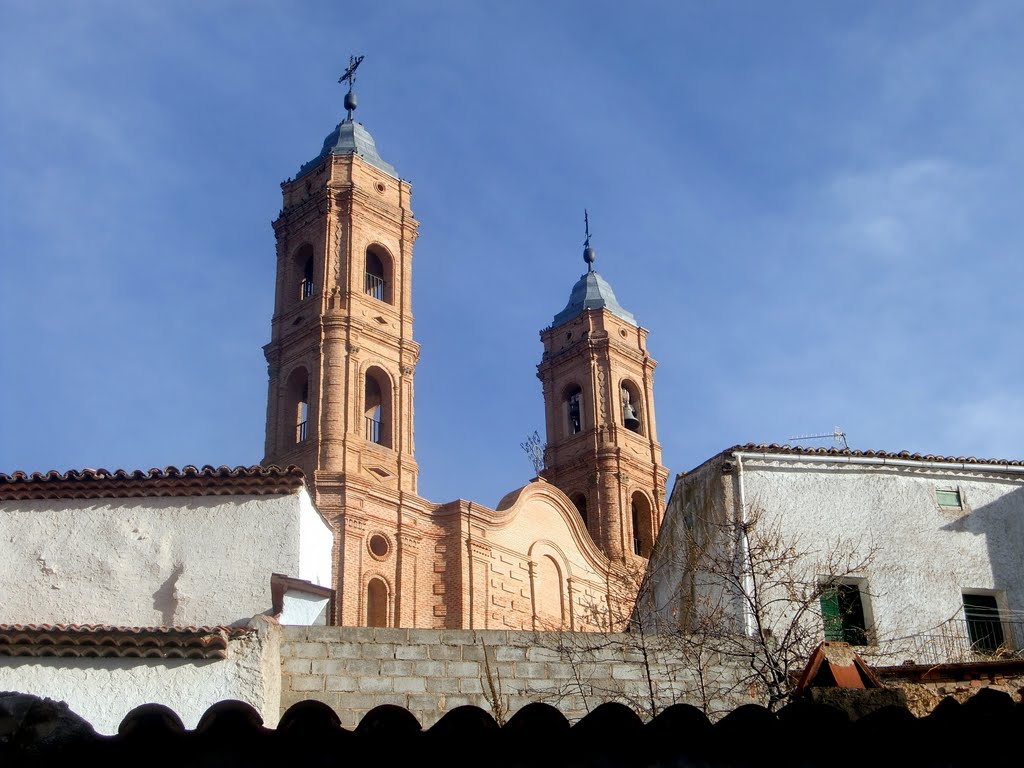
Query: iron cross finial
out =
(350, 76)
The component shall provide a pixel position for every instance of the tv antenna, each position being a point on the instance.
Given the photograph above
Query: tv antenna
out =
(837, 434)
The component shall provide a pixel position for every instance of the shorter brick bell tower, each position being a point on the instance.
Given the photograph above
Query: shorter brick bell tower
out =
(602, 447)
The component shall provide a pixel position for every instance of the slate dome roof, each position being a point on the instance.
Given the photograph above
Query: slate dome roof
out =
(592, 292)
(350, 138)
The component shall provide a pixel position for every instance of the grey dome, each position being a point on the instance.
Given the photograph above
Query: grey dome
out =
(592, 292)
(350, 138)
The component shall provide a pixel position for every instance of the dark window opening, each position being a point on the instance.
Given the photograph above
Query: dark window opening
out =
(376, 282)
(303, 413)
(984, 626)
(643, 524)
(843, 614)
(580, 502)
(306, 289)
(637, 545)
(575, 420)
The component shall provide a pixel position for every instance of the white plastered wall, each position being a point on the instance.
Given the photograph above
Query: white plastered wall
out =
(103, 691)
(175, 561)
(315, 544)
(925, 556)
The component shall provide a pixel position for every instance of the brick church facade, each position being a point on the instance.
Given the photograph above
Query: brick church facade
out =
(560, 552)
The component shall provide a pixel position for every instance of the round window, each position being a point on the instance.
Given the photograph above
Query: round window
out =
(379, 545)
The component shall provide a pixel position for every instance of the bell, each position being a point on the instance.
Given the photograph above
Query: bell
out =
(629, 418)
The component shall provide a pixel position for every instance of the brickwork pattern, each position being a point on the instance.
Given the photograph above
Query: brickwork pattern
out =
(430, 672)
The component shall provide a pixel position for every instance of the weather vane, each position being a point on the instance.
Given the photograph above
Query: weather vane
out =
(589, 254)
(350, 75)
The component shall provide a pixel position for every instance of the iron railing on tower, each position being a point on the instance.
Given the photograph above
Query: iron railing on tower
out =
(373, 432)
(375, 286)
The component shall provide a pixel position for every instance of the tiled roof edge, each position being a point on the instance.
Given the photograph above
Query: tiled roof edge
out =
(839, 452)
(187, 481)
(104, 641)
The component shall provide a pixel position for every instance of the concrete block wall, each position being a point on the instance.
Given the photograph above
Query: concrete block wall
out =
(430, 672)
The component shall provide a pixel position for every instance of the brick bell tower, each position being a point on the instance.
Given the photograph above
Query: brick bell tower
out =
(602, 447)
(341, 358)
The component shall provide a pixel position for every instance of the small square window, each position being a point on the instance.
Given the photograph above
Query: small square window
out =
(949, 498)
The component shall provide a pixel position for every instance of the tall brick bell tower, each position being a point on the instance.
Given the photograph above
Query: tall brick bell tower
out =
(341, 362)
(602, 447)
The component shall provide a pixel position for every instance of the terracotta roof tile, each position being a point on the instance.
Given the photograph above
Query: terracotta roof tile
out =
(104, 641)
(187, 481)
(907, 455)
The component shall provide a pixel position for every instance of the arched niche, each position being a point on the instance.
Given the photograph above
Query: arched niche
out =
(377, 602)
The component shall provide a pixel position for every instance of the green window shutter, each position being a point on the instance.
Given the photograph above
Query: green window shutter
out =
(831, 616)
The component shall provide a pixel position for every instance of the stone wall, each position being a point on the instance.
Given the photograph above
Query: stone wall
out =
(431, 672)
(925, 687)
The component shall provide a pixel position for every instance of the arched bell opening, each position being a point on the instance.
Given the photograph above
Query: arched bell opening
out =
(296, 408)
(643, 524)
(378, 277)
(573, 400)
(303, 267)
(632, 408)
(377, 407)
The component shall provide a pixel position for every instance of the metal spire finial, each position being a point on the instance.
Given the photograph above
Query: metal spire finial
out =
(350, 75)
(589, 254)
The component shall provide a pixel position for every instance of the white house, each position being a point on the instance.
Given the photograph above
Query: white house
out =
(119, 589)
(909, 557)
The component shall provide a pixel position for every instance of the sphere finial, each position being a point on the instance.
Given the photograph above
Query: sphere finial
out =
(589, 254)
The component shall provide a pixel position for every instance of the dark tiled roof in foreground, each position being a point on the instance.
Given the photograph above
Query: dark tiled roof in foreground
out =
(187, 481)
(102, 641)
(905, 455)
(982, 731)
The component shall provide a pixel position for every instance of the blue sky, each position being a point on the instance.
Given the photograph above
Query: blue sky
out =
(814, 207)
